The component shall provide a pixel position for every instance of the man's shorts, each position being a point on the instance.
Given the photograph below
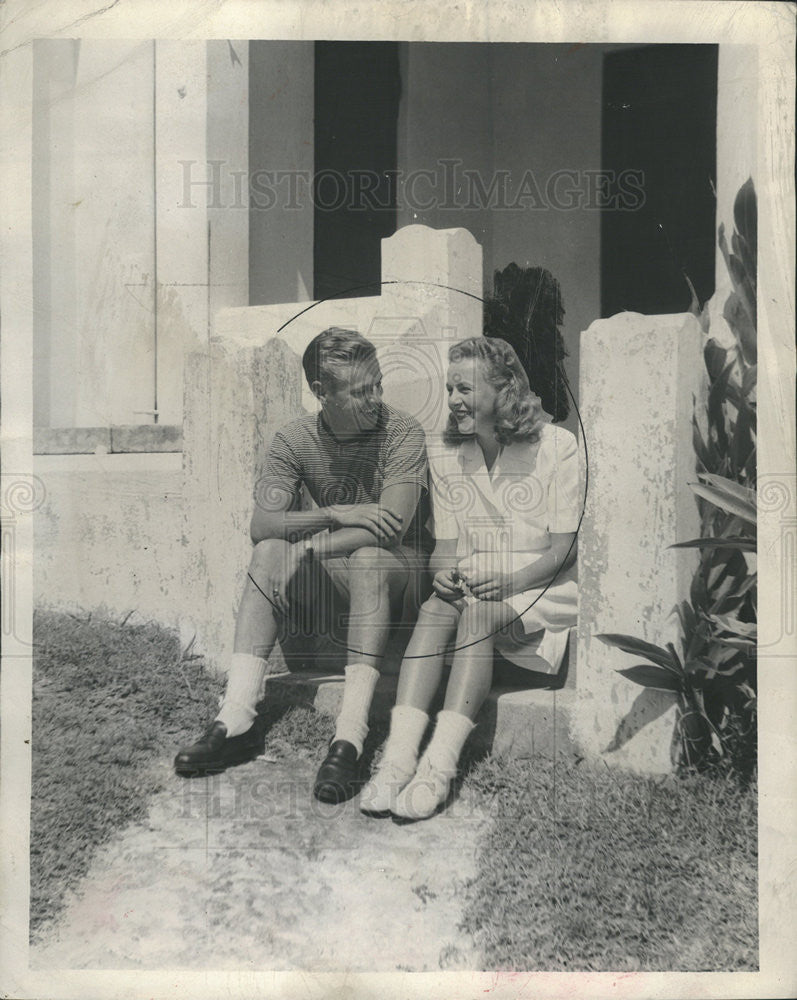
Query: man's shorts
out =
(319, 594)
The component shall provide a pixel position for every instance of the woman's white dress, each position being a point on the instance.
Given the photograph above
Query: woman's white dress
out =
(503, 519)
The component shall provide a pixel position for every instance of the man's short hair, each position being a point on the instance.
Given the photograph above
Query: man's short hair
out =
(333, 350)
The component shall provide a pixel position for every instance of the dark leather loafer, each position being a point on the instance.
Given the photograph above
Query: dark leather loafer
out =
(337, 778)
(214, 752)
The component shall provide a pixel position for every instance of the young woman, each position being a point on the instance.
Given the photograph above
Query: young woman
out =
(506, 511)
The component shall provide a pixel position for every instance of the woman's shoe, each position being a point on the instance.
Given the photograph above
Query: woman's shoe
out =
(424, 795)
(379, 795)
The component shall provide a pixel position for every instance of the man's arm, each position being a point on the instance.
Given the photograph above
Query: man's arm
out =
(406, 476)
(375, 523)
(353, 526)
(350, 526)
(397, 503)
(291, 525)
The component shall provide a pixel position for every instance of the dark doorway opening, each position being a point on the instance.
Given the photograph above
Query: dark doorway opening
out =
(357, 91)
(659, 119)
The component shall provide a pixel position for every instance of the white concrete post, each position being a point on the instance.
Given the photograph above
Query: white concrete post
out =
(202, 217)
(431, 298)
(638, 375)
(235, 399)
(737, 96)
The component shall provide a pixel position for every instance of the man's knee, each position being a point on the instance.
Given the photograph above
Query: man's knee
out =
(367, 557)
(371, 567)
(268, 552)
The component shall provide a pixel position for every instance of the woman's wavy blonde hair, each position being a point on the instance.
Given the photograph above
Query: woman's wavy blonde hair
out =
(519, 415)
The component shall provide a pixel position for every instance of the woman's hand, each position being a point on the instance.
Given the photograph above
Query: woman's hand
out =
(446, 585)
(487, 583)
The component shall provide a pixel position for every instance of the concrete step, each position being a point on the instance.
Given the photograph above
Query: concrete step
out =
(517, 722)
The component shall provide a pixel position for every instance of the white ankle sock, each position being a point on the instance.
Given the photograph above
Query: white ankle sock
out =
(352, 724)
(407, 726)
(450, 732)
(244, 684)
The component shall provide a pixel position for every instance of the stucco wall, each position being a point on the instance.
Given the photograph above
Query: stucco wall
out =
(109, 533)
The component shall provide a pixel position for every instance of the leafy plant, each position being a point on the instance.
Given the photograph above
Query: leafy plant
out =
(714, 676)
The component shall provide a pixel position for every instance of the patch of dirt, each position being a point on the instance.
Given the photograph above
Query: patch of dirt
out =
(246, 870)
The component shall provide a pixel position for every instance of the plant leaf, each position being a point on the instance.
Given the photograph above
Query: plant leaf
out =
(749, 379)
(745, 645)
(745, 214)
(739, 315)
(733, 625)
(700, 447)
(725, 500)
(742, 443)
(649, 676)
(701, 670)
(638, 647)
(738, 490)
(733, 542)
(716, 413)
(715, 357)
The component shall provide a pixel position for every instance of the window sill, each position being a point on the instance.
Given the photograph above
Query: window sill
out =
(122, 440)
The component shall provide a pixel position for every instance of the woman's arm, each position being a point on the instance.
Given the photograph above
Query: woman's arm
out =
(442, 565)
(492, 584)
(559, 557)
(444, 555)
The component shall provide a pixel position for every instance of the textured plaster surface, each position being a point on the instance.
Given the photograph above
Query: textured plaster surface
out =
(637, 377)
(430, 298)
(108, 534)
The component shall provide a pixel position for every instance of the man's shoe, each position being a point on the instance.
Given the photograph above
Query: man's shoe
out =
(214, 752)
(337, 778)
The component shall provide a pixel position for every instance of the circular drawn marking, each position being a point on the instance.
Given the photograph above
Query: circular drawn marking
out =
(459, 291)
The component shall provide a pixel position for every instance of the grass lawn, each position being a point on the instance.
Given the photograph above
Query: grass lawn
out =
(588, 868)
(584, 868)
(109, 701)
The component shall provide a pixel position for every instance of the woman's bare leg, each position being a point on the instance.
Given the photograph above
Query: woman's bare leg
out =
(422, 665)
(472, 669)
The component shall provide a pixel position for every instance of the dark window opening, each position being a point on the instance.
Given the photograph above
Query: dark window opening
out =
(659, 121)
(357, 91)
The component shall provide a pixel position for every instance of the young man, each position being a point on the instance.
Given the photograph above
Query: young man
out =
(364, 465)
